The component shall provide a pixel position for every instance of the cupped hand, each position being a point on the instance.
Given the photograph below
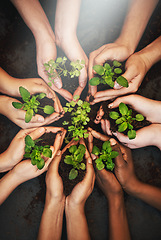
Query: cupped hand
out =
(15, 151)
(83, 189)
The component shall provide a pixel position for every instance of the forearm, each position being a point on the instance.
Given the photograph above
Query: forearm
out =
(66, 19)
(5, 163)
(35, 18)
(147, 193)
(135, 23)
(52, 220)
(77, 228)
(7, 184)
(118, 225)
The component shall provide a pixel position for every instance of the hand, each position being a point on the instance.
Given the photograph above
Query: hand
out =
(54, 182)
(112, 51)
(15, 151)
(18, 116)
(82, 190)
(46, 50)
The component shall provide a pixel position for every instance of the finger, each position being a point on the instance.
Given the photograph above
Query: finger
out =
(78, 91)
(83, 78)
(41, 87)
(52, 118)
(63, 92)
(100, 136)
(90, 142)
(37, 133)
(119, 160)
(58, 141)
(58, 83)
(105, 125)
(55, 163)
(126, 100)
(121, 137)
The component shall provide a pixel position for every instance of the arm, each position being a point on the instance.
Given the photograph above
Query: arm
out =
(77, 227)
(66, 20)
(125, 173)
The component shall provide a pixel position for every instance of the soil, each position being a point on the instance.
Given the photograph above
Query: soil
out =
(64, 170)
(43, 102)
(113, 126)
(47, 139)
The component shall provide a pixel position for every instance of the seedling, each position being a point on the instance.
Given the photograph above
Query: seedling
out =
(35, 152)
(108, 75)
(105, 156)
(57, 68)
(79, 112)
(31, 104)
(124, 120)
(75, 159)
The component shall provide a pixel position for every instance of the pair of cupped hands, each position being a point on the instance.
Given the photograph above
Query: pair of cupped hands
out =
(109, 183)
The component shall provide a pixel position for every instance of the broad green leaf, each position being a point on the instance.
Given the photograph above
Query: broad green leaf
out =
(76, 97)
(98, 160)
(83, 62)
(139, 117)
(33, 161)
(28, 148)
(27, 155)
(50, 84)
(47, 152)
(79, 157)
(107, 66)
(41, 95)
(122, 81)
(110, 166)
(99, 69)
(95, 150)
(28, 115)
(94, 81)
(109, 81)
(131, 134)
(48, 109)
(116, 63)
(40, 164)
(68, 159)
(123, 108)
(100, 166)
(59, 60)
(29, 141)
(24, 94)
(17, 105)
(114, 115)
(82, 148)
(130, 126)
(82, 166)
(119, 121)
(114, 154)
(73, 174)
(122, 127)
(118, 70)
(72, 148)
(106, 145)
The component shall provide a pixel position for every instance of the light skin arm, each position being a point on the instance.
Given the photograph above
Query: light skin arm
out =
(67, 15)
(125, 173)
(77, 228)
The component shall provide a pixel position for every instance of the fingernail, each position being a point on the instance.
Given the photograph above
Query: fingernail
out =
(115, 134)
(50, 95)
(117, 86)
(57, 83)
(41, 130)
(113, 142)
(40, 119)
(110, 105)
(89, 160)
(58, 153)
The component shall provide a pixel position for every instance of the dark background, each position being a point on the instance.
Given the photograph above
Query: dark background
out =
(100, 22)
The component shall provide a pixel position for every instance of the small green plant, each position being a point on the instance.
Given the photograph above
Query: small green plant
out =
(31, 104)
(105, 156)
(79, 118)
(125, 119)
(35, 152)
(108, 75)
(57, 68)
(75, 159)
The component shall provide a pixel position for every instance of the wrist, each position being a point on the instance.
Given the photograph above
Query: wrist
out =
(133, 187)
(73, 208)
(126, 43)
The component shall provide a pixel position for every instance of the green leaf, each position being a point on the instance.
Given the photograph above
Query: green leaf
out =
(99, 69)
(33, 161)
(76, 97)
(123, 108)
(72, 148)
(106, 145)
(40, 164)
(109, 81)
(50, 84)
(110, 166)
(17, 105)
(114, 115)
(107, 66)
(27, 155)
(47, 152)
(29, 141)
(131, 134)
(114, 154)
(122, 127)
(24, 94)
(41, 95)
(28, 115)
(82, 166)
(68, 160)
(118, 70)
(119, 121)
(95, 150)
(116, 63)
(48, 109)
(100, 166)
(94, 81)
(122, 81)
(130, 126)
(139, 117)
(73, 174)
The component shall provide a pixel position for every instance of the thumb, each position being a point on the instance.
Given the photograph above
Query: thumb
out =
(122, 138)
